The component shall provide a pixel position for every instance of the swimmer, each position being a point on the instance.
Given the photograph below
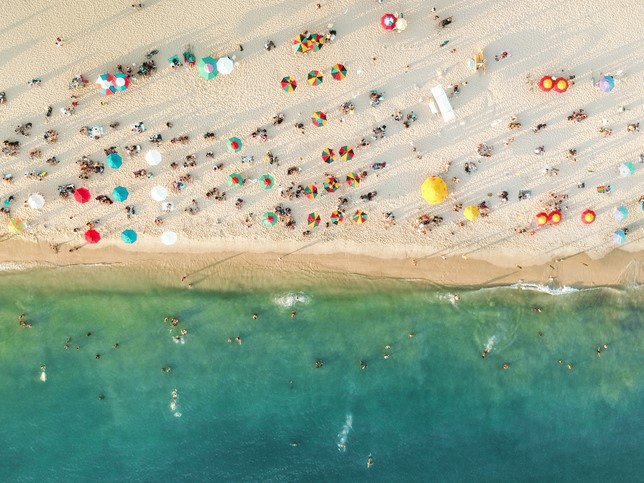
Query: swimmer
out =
(387, 347)
(505, 365)
(77, 347)
(101, 397)
(65, 346)
(411, 335)
(560, 361)
(88, 334)
(254, 316)
(385, 356)
(319, 363)
(369, 462)
(42, 367)
(238, 339)
(292, 315)
(363, 365)
(536, 309)
(116, 346)
(184, 331)
(229, 340)
(98, 356)
(174, 394)
(166, 369)
(485, 353)
(599, 351)
(457, 297)
(294, 444)
(569, 365)
(605, 345)
(540, 334)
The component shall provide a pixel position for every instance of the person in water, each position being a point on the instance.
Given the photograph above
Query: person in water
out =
(485, 353)
(369, 462)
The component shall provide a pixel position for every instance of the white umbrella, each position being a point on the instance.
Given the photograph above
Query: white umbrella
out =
(159, 193)
(36, 201)
(168, 237)
(225, 65)
(153, 157)
(401, 24)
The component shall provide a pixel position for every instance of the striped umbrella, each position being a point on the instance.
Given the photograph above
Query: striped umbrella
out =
(105, 84)
(313, 219)
(207, 68)
(289, 84)
(328, 155)
(121, 81)
(318, 119)
(331, 184)
(269, 218)
(315, 78)
(266, 181)
(234, 144)
(353, 179)
(338, 71)
(311, 191)
(316, 42)
(16, 225)
(300, 43)
(129, 236)
(120, 193)
(346, 153)
(359, 216)
(337, 217)
(235, 179)
(114, 160)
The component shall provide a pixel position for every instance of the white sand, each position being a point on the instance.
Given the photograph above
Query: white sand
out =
(584, 38)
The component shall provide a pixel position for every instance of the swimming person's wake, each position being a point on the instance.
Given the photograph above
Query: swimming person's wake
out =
(343, 435)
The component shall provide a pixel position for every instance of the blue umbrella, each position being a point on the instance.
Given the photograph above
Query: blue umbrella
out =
(114, 160)
(619, 237)
(606, 83)
(120, 193)
(642, 205)
(621, 213)
(129, 236)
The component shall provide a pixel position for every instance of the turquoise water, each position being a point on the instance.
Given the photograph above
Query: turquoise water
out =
(433, 411)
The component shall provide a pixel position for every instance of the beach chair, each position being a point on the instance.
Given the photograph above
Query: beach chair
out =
(477, 61)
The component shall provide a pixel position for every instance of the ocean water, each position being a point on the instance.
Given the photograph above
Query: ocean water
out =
(434, 410)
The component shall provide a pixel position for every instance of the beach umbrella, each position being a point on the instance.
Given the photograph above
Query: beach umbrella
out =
(315, 78)
(388, 21)
(153, 157)
(315, 42)
(289, 84)
(328, 155)
(92, 236)
(311, 191)
(337, 217)
(120, 193)
(587, 217)
(642, 205)
(269, 218)
(234, 144)
(82, 195)
(121, 81)
(114, 160)
(621, 213)
(434, 190)
(207, 68)
(158, 193)
(606, 83)
(541, 218)
(16, 225)
(318, 119)
(331, 184)
(168, 237)
(401, 24)
(353, 179)
(235, 179)
(546, 83)
(346, 153)
(313, 219)
(129, 236)
(105, 84)
(225, 65)
(338, 71)
(266, 181)
(561, 85)
(626, 169)
(554, 217)
(36, 201)
(471, 212)
(619, 237)
(300, 43)
(359, 216)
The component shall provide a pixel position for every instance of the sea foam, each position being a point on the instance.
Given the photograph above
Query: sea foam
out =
(290, 299)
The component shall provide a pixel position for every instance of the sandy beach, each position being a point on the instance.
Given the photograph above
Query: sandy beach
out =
(581, 39)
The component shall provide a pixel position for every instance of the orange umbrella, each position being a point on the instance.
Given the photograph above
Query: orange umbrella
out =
(554, 217)
(546, 83)
(587, 217)
(561, 85)
(542, 218)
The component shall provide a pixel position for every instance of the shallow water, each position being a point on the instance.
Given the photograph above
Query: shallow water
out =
(434, 410)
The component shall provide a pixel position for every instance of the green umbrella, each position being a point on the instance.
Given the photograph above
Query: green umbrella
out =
(235, 179)
(266, 181)
(269, 218)
(234, 145)
(207, 68)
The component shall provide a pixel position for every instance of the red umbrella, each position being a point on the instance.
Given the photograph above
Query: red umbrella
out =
(92, 236)
(546, 83)
(388, 21)
(542, 218)
(587, 217)
(82, 195)
(561, 85)
(554, 217)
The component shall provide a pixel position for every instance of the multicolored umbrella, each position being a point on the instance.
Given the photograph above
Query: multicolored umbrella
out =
(587, 217)
(300, 43)
(619, 237)
(328, 155)
(359, 216)
(313, 219)
(235, 179)
(315, 78)
(114, 160)
(269, 218)
(337, 217)
(338, 71)
(207, 68)
(105, 84)
(388, 21)
(561, 85)
(471, 212)
(626, 169)
(121, 81)
(92, 236)
(606, 83)
(346, 153)
(120, 193)
(316, 42)
(234, 144)
(546, 83)
(331, 184)
(289, 84)
(433, 190)
(541, 218)
(318, 119)
(554, 217)
(621, 213)
(353, 179)
(168, 237)
(311, 191)
(225, 65)
(16, 225)
(82, 195)
(266, 181)
(129, 236)
(36, 201)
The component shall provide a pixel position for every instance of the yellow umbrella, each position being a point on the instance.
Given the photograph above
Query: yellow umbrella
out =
(471, 212)
(434, 190)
